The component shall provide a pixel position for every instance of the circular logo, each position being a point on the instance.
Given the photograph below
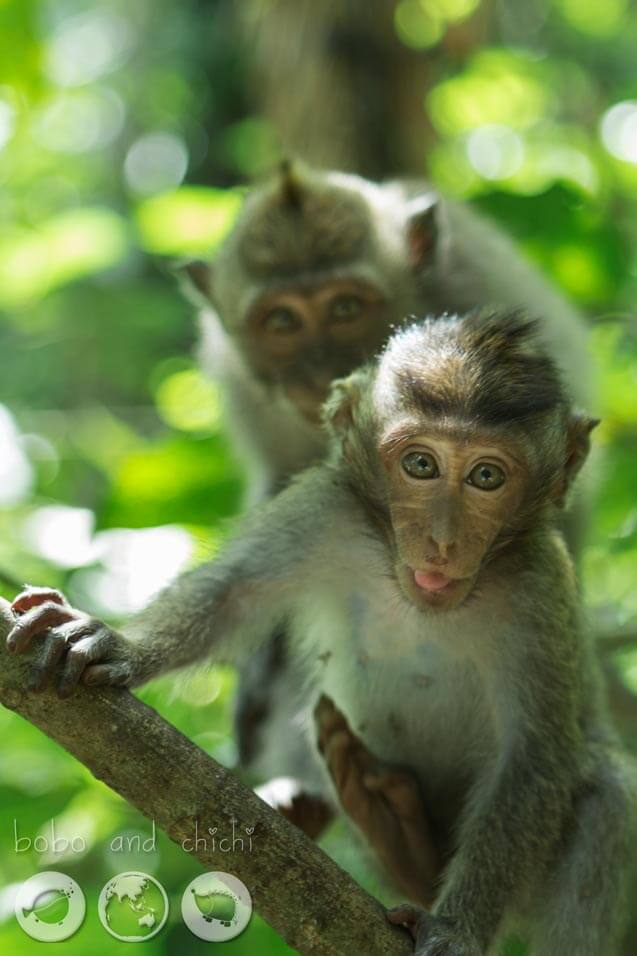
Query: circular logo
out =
(133, 907)
(50, 907)
(216, 907)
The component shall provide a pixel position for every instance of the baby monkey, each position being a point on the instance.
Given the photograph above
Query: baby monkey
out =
(429, 595)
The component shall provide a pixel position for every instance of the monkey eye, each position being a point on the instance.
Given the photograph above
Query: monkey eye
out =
(486, 476)
(282, 321)
(346, 308)
(420, 464)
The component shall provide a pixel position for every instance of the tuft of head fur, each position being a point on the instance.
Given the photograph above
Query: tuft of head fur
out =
(301, 224)
(486, 368)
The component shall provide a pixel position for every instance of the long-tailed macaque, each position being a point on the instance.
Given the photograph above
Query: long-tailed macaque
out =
(318, 270)
(432, 606)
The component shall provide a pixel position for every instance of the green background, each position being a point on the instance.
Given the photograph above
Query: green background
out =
(126, 131)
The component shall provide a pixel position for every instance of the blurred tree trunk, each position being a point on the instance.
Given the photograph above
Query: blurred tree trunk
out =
(337, 84)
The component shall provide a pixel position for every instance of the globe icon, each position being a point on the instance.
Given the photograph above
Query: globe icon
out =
(133, 906)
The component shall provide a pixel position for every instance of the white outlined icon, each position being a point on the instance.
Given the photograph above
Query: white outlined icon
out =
(50, 907)
(133, 907)
(216, 906)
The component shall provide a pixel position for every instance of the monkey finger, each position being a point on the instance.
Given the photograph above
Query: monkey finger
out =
(34, 622)
(347, 778)
(400, 789)
(53, 647)
(343, 752)
(88, 650)
(34, 596)
(337, 754)
(411, 917)
(114, 674)
(334, 733)
(328, 719)
(324, 706)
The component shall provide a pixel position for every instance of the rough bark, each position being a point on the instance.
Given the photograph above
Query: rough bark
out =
(305, 896)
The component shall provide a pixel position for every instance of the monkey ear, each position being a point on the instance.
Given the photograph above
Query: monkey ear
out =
(291, 185)
(195, 280)
(422, 229)
(578, 443)
(338, 410)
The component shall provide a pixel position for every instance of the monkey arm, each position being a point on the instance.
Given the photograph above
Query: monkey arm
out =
(515, 816)
(499, 835)
(508, 834)
(222, 609)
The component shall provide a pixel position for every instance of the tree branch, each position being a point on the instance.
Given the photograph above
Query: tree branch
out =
(305, 896)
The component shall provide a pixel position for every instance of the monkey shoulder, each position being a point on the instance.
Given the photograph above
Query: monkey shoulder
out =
(538, 574)
(319, 517)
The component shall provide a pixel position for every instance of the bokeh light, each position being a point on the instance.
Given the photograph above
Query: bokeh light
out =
(189, 401)
(79, 120)
(188, 221)
(155, 162)
(418, 26)
(499, 87)
(134, 566)
(87, 46)
(619, 130)
(65, 247)
(495, 152)
(595, 17)
(61, 534)
(7, 117)
(16, 474)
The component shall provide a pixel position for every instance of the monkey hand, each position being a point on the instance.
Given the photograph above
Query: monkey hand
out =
(384, 802)
(88, 650)
(434, 935)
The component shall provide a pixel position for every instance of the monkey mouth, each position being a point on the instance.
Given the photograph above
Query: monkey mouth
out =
(433, 589)
(433, 581)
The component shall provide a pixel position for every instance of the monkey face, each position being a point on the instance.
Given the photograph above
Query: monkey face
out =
(301, 338)
(451, 494)
(460, 441)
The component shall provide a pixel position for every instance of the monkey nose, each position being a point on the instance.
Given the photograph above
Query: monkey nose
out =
(438, 558)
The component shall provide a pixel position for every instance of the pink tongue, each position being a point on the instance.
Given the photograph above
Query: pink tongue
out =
(431, 580)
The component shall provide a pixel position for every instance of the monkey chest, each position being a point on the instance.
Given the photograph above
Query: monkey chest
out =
(410, 699)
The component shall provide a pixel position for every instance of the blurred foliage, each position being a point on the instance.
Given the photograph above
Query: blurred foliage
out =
(125, 130)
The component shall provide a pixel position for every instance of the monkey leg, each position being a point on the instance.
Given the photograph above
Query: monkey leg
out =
(583, 905)
(254, 702)
(308, 811)
(384, 802)
(265, 713)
